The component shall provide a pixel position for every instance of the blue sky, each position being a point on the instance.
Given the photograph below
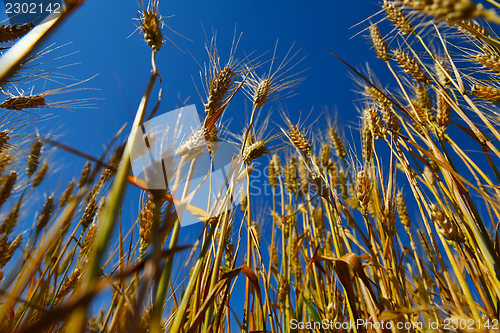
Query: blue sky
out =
(98, 33)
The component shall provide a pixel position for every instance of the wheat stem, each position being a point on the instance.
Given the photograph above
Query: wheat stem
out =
(161, 293)
(112, 208)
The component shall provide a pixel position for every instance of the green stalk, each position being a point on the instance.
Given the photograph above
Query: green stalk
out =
(179, 317)
(246, 310)
(247, 132)
(152, 265)
(288, 302)
(161, 293)
(78, 318)
(461, 280)
(215, 271)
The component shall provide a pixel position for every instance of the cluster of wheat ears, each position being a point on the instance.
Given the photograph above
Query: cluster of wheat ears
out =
(343, 247)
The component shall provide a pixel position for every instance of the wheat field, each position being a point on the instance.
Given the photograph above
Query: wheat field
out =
(396, 231)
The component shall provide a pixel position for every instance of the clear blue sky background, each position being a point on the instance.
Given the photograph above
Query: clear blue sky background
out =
(99, 30)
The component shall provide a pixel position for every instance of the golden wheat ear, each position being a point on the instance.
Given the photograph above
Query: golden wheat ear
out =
(10, 60)
(12, 32)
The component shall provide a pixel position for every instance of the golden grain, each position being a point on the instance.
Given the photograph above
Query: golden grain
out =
(338, 144)
(379, 44)
(40, 176)
(34, 158)
(403, 210)
(299, 140)
(7, 187)
(486, 92)
(12, 32)
(398, 17)
(411, 66)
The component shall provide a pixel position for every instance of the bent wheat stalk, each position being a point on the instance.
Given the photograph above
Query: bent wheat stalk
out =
(78, 319)
(23, 47)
